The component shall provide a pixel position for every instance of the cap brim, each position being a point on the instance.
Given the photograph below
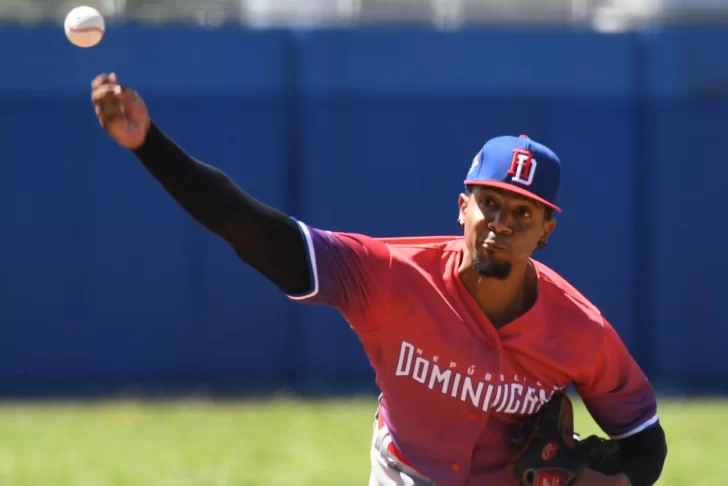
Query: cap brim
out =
(514, 189)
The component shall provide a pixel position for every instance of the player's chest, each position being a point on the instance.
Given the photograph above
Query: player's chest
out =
(474, 376)
(453, 363)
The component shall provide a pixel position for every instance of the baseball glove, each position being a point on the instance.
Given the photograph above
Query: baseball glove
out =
(547, 452)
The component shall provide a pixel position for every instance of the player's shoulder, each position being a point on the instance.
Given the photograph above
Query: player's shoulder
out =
(404, 248)
(417, 247)
(562, 297)
(426, 243)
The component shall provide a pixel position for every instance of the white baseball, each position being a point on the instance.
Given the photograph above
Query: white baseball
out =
(85, 26)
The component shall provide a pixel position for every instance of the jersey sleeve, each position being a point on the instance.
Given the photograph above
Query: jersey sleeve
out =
(349, 272)
(616, 392)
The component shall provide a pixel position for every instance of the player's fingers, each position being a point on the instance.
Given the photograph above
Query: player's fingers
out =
(121, 92)
(99, 80)
(104, 93)
(112, 119)
(132, 102)
(125, 94)
(109, 111)
(103, 79)
(108, 106)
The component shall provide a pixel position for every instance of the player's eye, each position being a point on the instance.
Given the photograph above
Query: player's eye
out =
(524, 212)
(488, 201)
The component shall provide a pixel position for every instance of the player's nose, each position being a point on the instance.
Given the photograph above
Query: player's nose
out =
(500, 222)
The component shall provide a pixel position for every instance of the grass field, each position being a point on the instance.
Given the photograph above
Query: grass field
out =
(282, 442)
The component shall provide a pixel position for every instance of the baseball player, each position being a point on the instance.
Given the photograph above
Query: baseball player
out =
(468, 335)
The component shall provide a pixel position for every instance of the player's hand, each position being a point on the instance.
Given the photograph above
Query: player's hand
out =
(587, 477)
(120, 110)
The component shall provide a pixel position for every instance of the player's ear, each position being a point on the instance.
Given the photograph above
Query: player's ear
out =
(548, 228)
(462, 206)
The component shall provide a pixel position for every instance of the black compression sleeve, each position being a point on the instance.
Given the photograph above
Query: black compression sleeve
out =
(643, 456)
(265, 238)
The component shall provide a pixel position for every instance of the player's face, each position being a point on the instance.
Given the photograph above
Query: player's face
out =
(502, 229)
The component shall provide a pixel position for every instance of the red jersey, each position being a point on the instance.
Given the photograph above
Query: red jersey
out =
(454, 388)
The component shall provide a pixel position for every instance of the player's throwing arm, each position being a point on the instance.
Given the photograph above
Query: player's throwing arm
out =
(265, 238)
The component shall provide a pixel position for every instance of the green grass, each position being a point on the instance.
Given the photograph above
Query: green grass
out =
(282, 442)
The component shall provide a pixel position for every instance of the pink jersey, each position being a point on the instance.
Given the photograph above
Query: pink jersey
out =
(454, 388)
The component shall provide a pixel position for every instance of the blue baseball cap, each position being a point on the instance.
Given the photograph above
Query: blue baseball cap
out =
(519, 165)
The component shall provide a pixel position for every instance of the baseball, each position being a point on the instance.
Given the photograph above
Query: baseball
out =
(85, 26)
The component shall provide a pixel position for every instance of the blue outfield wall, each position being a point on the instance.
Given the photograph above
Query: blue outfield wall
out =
(105, 283)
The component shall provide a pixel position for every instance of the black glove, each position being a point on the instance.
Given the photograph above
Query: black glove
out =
(547, 451)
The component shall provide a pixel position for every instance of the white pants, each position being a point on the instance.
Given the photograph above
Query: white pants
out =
(387, 470)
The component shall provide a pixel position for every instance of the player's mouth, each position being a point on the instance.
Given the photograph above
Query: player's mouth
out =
(495, 246)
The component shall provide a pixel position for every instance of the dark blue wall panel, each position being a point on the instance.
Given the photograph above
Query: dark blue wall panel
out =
(690, 112)
(103, 278)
